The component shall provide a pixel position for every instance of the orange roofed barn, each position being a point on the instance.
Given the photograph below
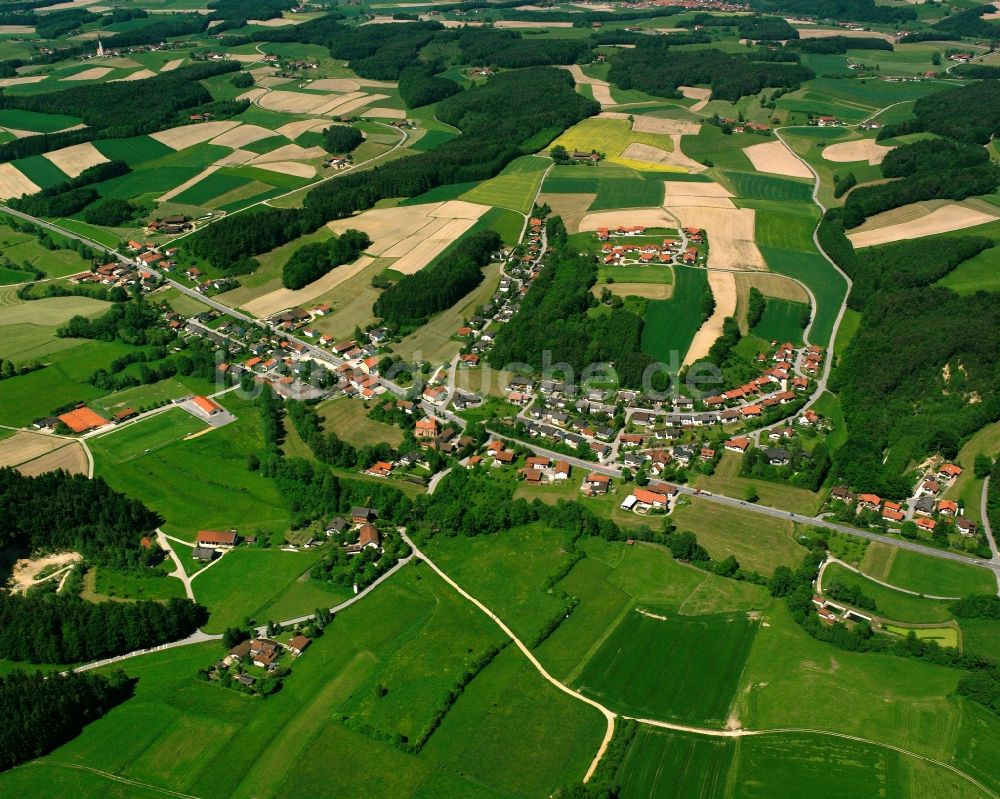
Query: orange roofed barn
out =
(82, 419)
(213, 538)
(206, 405)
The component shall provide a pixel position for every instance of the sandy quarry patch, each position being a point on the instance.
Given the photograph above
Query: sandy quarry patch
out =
(602, 93)
(189, 135)
(241, 136)
(723, 286)
(252, 94)
(291, 102)
(648, 154)
(21, 81)
(13, 183)
(335, 85)
(774, 157)
(36, 453)
(941, 220)
(649, 217)
(280, 299)
(142, 74)
(290, 152)
(270, 81)
(731, 243)
(73, 160)
(289, 168)
(94, 73)
(187, 184)
(571, 207)
(822, 33)
(386, 113)
(170, 66)
(414, 234)
(863, 150)
(25, 569)
(292, 130)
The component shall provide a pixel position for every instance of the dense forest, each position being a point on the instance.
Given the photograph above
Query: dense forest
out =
(341, 139)
(413, 299)
(554, 327)
(970, 22)
(830, 45)
(756, 27)
(43, 712)
(856, 10)
(52, 628)
(654, 68)
(419, 86)
(965, 113)
(59, 511)
(491, 138)
(311, 261)
(509, 50)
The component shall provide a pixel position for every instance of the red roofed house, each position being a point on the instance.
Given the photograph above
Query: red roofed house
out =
(737, 444)
(949, 470)
(82, 419)
(207, 406)
(872, 501)
(926, 524)
(299, 644)
(426, 428)
(367, 539)
(216, 539)
(948, 507)
(597, 483)
(651, 498)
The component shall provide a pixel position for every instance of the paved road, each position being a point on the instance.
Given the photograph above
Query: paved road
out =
(983, 502)
(197, 637)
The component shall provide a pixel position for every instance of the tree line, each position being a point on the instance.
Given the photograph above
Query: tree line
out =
(856, 10)
(311, 261)
(968, 114)
(68, 197)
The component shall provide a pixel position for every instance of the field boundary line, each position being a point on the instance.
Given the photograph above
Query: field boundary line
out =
(110, 776)
(589, 654)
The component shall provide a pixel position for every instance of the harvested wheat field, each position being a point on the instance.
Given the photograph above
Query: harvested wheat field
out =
(670, 127)
(291, 102)
(289, 168)
(602, 93)
(774, 157)
(708, 195)
(142, 74)
(648, 291)
(276, 22)
(269, 81)
(290, 152)
(414, 234)
(20, 81)
(941, 220)
(649, 217)
(723, 285)
(241, 136)
(245, 58)
(823, 33)
(335, 85)
(236, 158)
(252, 94)
(571, 207)
(647, 154)
(94, 73)
(280, 299)
(863, 150)
(170, 66)
(190, 135)
(354, 104)
(13, 183)
(694, 93)
(580, 77)
(16, 29)
(510, 23)
(730, 231)
(36, 453)
(386, 113)
(293, 130)
(73, 160)
(335, 101)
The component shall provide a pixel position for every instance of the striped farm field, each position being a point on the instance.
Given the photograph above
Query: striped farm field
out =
(670, 325)
(657, 664)
(41, 171)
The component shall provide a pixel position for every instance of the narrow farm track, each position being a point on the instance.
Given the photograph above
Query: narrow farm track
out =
(856, 570)
(110, 776)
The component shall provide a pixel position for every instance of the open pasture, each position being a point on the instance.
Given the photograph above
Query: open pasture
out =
(660, 665)
(349, 420)
(514, 188)
(890, 604)
(670, 325)
(781, 321)
(148, 435)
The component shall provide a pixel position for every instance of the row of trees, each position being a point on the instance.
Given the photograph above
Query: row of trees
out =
(51, 628)
(59, 511)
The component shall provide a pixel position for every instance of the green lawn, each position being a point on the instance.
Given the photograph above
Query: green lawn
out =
(41, 171)
(34, 121)
(781, 321)
(759, 542)
(349, 420)
(141, 438)
(670, 325)
(929, 575)
(825, 282)
(677, 667)
(755, 186)
(890, 604)
(514, 188)
(727, 480)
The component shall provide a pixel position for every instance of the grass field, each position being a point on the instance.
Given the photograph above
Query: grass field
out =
(725, 152)
(755, 186)
(102, 583)
(675, 667)
(183, 734)
(670, 325)
(144, 437)
(967, 488)
(623, 193)
(890, 604)
(349, 420)
(612, 137)
(28, 329)
(726, 480)
(41, 171)
(759, 543)
(134, 151)
(145, 396)
(215, 185)
(929, 575)
(514, 188)
(673, 764)
(32, 120)
(213, 466)
(781, 321)
(826, 284)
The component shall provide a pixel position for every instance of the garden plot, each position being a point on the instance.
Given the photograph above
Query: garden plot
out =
(280, 299)
(863, 150)
(13, 183)
(883, 229)
(94, 73)
(189, 135)
(731, 243)
(415, 234)
(709, 195)
(723, 286)
(774, 157)
(76, 158)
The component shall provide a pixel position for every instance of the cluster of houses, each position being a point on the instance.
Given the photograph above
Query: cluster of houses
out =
(117, 275)
(926, 508)
(261, 653)
(362, 521)
(668, 251)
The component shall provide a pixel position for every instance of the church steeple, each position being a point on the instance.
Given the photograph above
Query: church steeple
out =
(100, 47)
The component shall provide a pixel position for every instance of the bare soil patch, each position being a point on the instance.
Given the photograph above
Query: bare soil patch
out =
(649, 291)
(26, 569)
(189, 135)
(648, 154)
(942, 220)
(385, 113)
(76, 158)
(241, 136)
(293, 130)
(571, 207)
(731, 243)
(335, 85)
(863, 150)
(723, 286)
(776, 158)
(142, 74)
(170, 66)
(71, 457)
(20, 81)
